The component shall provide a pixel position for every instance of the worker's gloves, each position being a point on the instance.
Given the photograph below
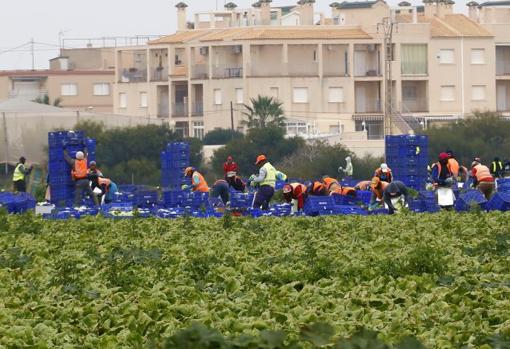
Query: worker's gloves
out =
(184, 187)
(340, 169)
(252, 177)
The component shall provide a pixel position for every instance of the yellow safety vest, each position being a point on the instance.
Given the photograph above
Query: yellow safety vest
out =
(19, 175)
(270, 175)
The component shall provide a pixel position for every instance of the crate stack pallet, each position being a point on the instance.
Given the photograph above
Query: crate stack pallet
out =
(59, 171)
(174, 160)
(407, 156)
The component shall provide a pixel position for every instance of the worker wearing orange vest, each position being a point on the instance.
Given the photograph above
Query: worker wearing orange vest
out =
(317, 189)
(454, 164)
(198, 183)
(384, 173)
(331, 184)
(344, 191)
(482, 179)
(295, 191)
(442, 174)
(363, 185)
(79, 172)
(377, 187)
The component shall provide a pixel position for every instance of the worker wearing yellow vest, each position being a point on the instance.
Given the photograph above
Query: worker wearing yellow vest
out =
(198, 182)
(20, 175)
(80, 172)
(266, 181)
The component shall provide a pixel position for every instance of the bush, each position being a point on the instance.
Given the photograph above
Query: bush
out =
(220, 136)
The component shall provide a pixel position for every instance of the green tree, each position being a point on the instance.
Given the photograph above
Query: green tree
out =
(46, 100)
(264, 112)
(220, 136)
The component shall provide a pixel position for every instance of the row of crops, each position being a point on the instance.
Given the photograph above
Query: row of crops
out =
(441, 280)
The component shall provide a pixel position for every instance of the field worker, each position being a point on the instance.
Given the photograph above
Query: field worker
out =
(344, 191)
(454, 164)
(220, 189)
(266, 181)
(198, 183)
(395, 190)
(20, 175)
(317, 189)
(331, 184)
(377, 187)
(230, 168)
(93, 170)
(348, 171)
(441, 173)
(363, 185)
(482, 179)
(108, 188)
(297, 192)
(384, 173)
(79, 172)
(236, 183)
(463, 174)
(497, 168)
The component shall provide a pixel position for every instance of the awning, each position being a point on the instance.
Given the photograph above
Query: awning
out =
(368, 117)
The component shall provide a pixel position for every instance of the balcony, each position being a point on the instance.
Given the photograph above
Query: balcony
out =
(159, 74)
(227, 72)
(180, 109)
(367, 60)
(179, 71)
(200, 72)
(414, 97)
(197, 109)
(503, 96)
(335, 60)
(306, 70)
(129, 75)
(503, 61)
(368, 97)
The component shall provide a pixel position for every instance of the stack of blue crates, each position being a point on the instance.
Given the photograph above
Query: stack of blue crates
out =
(60, 180)
(499, 202)
(16, 202)
(174, 160)
(469, 199)
(407, 156)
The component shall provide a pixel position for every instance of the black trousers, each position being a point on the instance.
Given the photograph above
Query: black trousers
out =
(20, 186)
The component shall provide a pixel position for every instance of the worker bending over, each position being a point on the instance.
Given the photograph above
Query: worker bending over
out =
(482, 179)
(377, 188)
(236, 183)
(395, 190)
(384, 173)
(266, 181)
(220, 189)
(317, 189)
(296, 192)
(198, 183)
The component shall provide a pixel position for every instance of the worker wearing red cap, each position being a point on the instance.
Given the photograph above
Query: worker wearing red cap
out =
(442, 174)
(230, 168)
(266, 181)
(295, 191)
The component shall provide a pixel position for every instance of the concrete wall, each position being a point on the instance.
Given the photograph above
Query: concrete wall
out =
(5, 87)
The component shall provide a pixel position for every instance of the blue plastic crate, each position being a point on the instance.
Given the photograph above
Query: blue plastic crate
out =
(466, 200)
(408, 139)
(319, 205)
(349, 210)
(499, 202)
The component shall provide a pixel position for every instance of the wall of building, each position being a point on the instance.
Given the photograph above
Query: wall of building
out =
(5, 87)
(90, 58)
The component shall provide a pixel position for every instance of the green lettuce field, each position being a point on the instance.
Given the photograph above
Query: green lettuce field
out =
(256, 283)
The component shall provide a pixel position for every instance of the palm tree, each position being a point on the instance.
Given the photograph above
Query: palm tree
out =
(264, 112)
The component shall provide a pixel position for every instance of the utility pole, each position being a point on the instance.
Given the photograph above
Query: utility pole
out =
(387, 26)
(32, 51)
(232, 118)
(6, 144)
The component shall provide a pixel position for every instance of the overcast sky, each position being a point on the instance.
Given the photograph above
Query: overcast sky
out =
(22, 20)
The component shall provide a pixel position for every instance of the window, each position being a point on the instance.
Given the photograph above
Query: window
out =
(478, 93)
(182, 128)
(296, 128)
(69, 90)
(239, 96)
(102, 89)
(336, 95)
(409, 93)
(217, 97)
(446, 56)
(198, 129)
(144, 100)
(123, 100)
(478, 56)
(414, 59)
(334, 129)
(300, 95)
(274, 92)
(447, 93)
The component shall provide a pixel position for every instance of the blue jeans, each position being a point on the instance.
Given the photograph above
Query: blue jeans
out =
(263, 197)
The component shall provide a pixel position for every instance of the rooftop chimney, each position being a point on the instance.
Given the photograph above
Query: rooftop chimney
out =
(473, 10)
(306, 11)
(181, 16)
(335, 12)
(265, 12)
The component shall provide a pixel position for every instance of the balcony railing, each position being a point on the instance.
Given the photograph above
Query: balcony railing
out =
(197, 109)
(502, 67)
(370, 107)
(227, 72)
(179, 109)
(309, 69)
(133, 75)
(163, 111)
(159, 74)
(200, 71)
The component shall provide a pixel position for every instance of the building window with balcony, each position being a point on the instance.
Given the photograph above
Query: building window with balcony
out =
(414, 59)
(300, 95)
(296, 128)
(144, 100)
(198, 129)
(217, 97)
(102, 89)
(446, 56)
(69, 90)
(478, 93)
(122, 100)
(336, 95)
(447, 93)
(478, 56)
(239, 96)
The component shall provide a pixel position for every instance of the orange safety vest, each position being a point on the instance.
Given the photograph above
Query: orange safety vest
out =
(364, 185)
(80, 169)
(440, 167)
(317, 188)
(202, 186)
(378, 192)
(379, 173)
(295, 191)
(483, 174)
(454, 167)
(331, 183)
(343, 191)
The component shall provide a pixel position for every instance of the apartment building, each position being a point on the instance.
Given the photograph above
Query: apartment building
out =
(329, 71)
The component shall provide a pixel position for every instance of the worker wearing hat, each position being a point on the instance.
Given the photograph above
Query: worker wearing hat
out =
(482, 179)
(230, 168)
(94, 170)
(442, 174)
(384, 173)
(454, 164)
(80, 174)
(266, 181)
(377, 188)
(198, 182)
(297, 192)
(19, 176)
